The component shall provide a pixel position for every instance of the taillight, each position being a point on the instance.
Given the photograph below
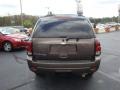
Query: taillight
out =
(97, 47)
(29, 48)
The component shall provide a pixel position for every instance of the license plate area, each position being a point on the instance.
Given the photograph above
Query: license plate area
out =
(63, 51)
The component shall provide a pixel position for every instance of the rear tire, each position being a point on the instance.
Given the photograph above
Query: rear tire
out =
(7, 46)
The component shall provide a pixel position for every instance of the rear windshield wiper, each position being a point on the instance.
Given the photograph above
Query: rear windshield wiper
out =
(72, 37)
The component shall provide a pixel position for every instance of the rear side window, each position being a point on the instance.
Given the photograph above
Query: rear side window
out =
(64, 28)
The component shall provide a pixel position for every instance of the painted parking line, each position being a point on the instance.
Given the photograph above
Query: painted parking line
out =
(109, 53)
(21, 85)
(109, 76)
(19, 59)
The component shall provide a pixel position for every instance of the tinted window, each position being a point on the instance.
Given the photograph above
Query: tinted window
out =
(64, 28)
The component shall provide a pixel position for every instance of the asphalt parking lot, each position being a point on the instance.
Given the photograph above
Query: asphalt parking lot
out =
(15, 75)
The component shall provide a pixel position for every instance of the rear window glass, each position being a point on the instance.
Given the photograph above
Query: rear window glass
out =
(64, 28)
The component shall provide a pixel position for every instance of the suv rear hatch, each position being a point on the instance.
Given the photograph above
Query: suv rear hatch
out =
(63, 39)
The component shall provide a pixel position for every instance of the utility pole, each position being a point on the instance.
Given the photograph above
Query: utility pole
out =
(119, 13)
(21, 15)
(9, 19)
(79, 8)
(49, 11)
(48, 8)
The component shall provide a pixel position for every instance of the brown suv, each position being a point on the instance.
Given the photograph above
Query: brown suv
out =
(63, 44)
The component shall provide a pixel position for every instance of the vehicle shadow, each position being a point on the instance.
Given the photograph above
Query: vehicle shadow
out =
(19, 55)
(64, 81)
(20, 49)
(14, 50)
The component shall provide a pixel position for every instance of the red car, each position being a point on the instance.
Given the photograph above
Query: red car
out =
(10, 38)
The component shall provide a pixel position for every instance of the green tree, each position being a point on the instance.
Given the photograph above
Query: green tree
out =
(27, 23)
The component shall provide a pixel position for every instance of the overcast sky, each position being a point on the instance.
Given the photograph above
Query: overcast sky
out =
(91, 8)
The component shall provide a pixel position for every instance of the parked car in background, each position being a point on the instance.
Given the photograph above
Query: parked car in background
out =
(111, 24)
(63, 44)
(100, 26)
(11, 38)
(21, 28)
